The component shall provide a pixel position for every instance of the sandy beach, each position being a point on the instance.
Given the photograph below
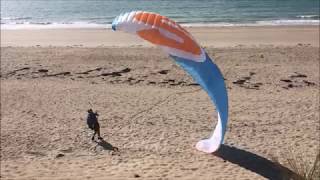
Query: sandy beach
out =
(206, 36)
(151, 110)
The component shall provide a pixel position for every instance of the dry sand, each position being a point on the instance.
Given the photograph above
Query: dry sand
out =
(45, 92)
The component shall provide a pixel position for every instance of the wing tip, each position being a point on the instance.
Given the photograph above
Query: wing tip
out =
(208, 146)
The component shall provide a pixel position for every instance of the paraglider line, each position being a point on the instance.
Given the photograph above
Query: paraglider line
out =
(162, 101)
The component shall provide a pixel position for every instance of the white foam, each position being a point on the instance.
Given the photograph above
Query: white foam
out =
(308, 16)
(258, 23)
(289, 22)
(74, 25)
(85, 25)
(15, 18)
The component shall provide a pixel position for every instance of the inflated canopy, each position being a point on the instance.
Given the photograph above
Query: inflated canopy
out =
(186, 52)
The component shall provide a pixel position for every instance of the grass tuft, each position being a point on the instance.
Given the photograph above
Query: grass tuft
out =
(304, 170)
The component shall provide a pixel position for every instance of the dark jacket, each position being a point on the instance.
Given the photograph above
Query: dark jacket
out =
(92, 120)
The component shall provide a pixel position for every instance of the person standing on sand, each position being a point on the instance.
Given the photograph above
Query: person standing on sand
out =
(93, 123)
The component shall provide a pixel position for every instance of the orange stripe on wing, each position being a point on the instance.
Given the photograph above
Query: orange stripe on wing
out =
(144, 17)
(154, 35)
(157, 20)
(151, 18)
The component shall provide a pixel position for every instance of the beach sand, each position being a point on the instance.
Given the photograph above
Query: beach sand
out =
(213, 37)
(151, 110)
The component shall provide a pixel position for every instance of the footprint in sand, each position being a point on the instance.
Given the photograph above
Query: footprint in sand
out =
(163, 72)
(58, 74)
(295, 81)
(246, 83)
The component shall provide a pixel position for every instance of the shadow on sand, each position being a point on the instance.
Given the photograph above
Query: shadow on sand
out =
(106, 145)
(255, 163)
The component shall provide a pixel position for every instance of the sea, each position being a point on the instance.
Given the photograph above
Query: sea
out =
(52, 14)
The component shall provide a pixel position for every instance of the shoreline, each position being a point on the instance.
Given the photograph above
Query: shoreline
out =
(206, 36)
(108, 26)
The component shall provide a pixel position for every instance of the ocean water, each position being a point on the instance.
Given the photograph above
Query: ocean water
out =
(19, 14)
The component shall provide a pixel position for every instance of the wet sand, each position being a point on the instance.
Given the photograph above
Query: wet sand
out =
(209, 36)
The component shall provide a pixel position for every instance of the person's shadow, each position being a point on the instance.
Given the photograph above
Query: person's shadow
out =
(255, 163)
(106, 145)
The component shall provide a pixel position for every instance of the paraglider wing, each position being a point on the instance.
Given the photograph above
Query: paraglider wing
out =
(182, 47)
